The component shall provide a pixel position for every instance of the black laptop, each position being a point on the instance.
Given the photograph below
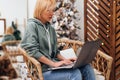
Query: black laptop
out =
(86, 55)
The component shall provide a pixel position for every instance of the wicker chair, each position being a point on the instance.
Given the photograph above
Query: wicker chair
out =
(102, 62)
(10, 49)
(33, 67)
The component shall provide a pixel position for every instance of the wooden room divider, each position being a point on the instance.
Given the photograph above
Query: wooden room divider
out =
(102, 20)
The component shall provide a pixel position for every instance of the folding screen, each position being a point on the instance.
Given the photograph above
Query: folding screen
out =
(102, 20)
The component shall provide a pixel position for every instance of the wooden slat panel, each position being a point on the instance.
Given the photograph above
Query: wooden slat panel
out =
(106, 2)
(103, 19)
(118, 14)
(89, 36)
(92, 33)
(103, 22)
(118, 21)
(117, 45)
(93, 18)
(103, 12)
(117, 54)
(91, 22)
(106, 8)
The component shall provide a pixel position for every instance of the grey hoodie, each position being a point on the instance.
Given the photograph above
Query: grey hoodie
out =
(40, 40)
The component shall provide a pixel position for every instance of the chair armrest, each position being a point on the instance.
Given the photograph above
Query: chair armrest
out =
(38, 67)
(34, 67)
(103, 63)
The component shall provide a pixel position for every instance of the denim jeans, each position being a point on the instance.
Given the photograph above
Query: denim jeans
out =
(87, 72)
(70, 74)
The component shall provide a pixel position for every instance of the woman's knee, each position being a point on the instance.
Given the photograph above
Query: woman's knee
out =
(86, 67)
(88, 72)
(75, 74)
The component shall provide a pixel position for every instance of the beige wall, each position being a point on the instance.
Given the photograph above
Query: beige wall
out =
(14, 10)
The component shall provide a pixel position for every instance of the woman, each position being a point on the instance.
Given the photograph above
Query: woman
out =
(40, 41)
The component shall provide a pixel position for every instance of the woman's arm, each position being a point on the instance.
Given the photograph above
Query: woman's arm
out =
(30, 41)
(49, 62)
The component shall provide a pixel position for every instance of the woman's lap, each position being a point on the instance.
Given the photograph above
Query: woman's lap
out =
(71, 74)
(63, 74)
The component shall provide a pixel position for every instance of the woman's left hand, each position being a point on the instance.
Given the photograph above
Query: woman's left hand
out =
(69, 61)
(73, 59)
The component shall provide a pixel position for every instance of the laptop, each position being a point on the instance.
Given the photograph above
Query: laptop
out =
(85, 56)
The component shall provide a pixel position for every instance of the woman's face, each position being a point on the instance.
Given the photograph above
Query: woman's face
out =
(47, 15)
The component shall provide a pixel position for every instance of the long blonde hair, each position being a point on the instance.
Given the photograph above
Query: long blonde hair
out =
(42, 5)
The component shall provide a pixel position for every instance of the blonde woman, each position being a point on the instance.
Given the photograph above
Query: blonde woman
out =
(40, 41)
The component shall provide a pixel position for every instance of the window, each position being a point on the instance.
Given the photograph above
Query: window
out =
(2, 27)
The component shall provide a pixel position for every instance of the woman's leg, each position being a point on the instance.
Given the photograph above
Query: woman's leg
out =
(63, 74)
(87, 72)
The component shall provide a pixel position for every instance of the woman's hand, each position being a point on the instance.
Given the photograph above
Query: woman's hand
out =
(60, 63)
(73, 59)
(64, 62)
(57, 64)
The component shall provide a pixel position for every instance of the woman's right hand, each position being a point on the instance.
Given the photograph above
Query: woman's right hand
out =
(49, 62)
(57, 64)
(63, 62)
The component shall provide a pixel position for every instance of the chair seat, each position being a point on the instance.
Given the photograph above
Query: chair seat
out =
(99, 75)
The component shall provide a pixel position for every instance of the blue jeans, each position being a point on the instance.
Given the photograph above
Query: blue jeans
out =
(87, 72)
(70, 74)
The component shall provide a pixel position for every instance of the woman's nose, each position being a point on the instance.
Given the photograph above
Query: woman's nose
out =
(51, 13)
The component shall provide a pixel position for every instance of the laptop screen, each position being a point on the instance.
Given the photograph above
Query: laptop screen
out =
(87, 53)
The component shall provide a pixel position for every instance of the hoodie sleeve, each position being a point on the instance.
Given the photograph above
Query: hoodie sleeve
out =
(30, 41)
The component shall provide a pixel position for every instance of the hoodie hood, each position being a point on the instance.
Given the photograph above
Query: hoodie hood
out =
(37, 21)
